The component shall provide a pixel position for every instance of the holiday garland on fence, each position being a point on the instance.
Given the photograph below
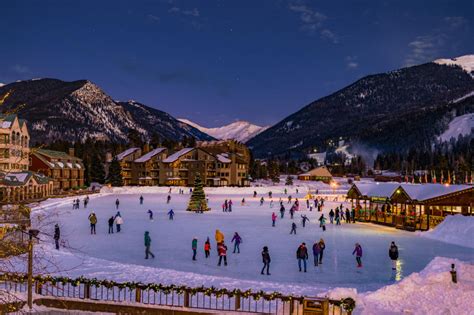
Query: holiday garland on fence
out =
(166, 289)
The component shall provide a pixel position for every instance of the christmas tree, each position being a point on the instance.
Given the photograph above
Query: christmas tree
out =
(289, 180)
(198, 197)
(114, 177)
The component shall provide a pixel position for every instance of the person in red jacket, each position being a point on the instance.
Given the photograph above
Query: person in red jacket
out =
(207, 248)
(222, 250)
(274, 217)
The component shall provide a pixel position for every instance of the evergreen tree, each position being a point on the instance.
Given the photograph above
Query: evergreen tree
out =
(273, 171)
(289, 180)
(197, 202)
(134, 138)
(114, 177)
(97, 171)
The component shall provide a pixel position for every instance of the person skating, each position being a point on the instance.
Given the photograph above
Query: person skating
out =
(236, 240)
(242, 203)
(274, 217)
(338, 219)
(358, 252)
(230, 205)
(254, 194)
(141, 200)
(266, 260)
(282, 211)
(93, 222)
(271, 203)
(194, 246)
(168, 199)
(292, 212)
(270, 194)
(348, 216)
(289, 199)
(222, 251)
(111, 225)
(286, 191)
(322, 247)
(57, 235)
(293, 228)
(307, 203)
(118, 222)
(316, 252)
(261, 201)
(207, 248)
(393, 254)
(150, 214)
(331, 216)
(302, 255)
(353, 215)
(304, 218)
(171, 214)
(117, 203)
(322, 222)
(147, 246)
(85, 203)
(219, 237)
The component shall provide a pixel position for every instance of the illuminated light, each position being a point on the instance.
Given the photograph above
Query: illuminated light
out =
(446, 185)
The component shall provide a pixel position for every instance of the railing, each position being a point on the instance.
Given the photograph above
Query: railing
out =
(172, 296)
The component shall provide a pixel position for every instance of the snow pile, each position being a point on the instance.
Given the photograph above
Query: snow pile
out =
(455, 229)
(461, 125)
(430, 291)
(241, 131)
(465, 62)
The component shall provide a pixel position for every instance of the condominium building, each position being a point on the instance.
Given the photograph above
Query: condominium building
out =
(14, 144)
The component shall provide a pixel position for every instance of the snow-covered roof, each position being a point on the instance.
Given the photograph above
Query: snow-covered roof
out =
(173, 157)
(125, 153)
(69, 165)
(149, 155)
(419, 192)
(319, 171)
(60, 164)
(223, 158)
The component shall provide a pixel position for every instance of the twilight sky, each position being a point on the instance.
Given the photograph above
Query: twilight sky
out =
(214, 61)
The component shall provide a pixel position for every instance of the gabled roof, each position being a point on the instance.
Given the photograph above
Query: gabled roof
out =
(318, 172)
(173, 157)
(55, 154)
(126, 153)
(75, 162)
(423, 192)
(22, 178)
(377, 189)
(149, 155)
(223, 158)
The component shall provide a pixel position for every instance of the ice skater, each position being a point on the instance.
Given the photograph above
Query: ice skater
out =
(331, 216)
(302, 255)
(322, 247)
(207, 248)
(117, 204)
(236, 240)
(304, 218)
(111, 225)
(57, 235)
(141, 200)
(316, 252)
(150, 214)
(322, 222)
(222, 251)
(147, 246)
(118, 222)
(393, 254)
(274, 217)
(266, 260)
(358, 252)
(282, 211)
(194, 245)
(293, 228)
(93, 222)
(171, 214)
(168, 199)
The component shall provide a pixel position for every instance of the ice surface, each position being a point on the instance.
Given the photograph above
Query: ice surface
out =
(120, 256)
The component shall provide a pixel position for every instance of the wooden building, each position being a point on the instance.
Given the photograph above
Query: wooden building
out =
(14, 144)
(66, 170)
(146, 169)
(318, 174)
(126, 159)
(410, 206)
(24, 186)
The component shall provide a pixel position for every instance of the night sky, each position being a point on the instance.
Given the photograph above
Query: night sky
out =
(218, 61)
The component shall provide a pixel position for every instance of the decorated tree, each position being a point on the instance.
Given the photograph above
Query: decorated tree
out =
(289, 180)
(114, 178)
(198, 197)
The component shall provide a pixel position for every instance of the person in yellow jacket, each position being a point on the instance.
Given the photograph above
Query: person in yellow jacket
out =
(219, 238)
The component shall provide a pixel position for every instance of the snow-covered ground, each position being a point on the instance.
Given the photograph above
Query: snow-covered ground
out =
(120, 256)
(455, 229)
(461, 125)
(465, 62)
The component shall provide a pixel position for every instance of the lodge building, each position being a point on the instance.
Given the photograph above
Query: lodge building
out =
(409, 206)
(14, 144)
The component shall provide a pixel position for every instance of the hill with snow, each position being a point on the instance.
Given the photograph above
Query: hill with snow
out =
(461, 125)
(465, 62)
(241, 131)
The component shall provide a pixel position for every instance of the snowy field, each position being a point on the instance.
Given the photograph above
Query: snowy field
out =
(120, 256)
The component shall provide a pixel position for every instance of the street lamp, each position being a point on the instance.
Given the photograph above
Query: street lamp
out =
(33, 233)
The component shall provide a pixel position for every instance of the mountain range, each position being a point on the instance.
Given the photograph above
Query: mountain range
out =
(75, 111)
(392, 111)
(240, 130)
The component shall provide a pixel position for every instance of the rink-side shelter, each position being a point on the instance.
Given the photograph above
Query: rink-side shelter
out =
(409, 206)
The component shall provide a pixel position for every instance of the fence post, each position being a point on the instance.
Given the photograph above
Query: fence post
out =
(237, 301)
(292, 307)
(325, 305)
(87, 291)
(138, 295)
(186, 298)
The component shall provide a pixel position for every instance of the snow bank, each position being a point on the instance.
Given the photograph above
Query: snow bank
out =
(455, 229)
(430, 291)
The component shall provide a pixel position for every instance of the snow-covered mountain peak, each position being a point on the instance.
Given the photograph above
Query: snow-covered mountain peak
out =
(465, 62)
(239, 130)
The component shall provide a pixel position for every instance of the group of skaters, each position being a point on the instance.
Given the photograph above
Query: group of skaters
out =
(76, 203)
(227, 205)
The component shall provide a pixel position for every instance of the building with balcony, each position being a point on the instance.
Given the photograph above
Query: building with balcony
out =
(24, 186)
(146, 169)
(66, 170)
(14, 144)
(126, 160)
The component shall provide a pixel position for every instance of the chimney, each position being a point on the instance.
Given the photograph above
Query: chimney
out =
(71, 152)
(146, 148)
